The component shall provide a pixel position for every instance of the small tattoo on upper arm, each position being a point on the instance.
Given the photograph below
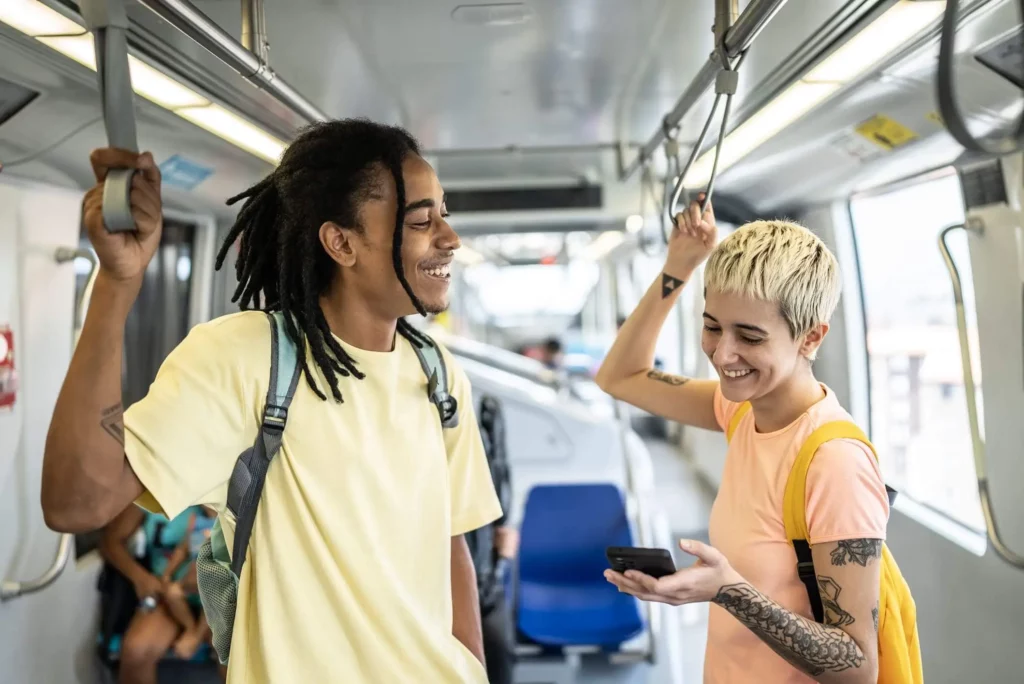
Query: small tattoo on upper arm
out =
(112, 420)
(669, 285)
(667, 378)
(860, 551)
(829, 590)
(874, 616)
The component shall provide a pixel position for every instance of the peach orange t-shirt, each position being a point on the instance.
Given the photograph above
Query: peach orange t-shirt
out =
(846, 499)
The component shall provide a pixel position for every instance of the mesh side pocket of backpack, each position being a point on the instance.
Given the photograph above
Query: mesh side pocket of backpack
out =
(218, 590)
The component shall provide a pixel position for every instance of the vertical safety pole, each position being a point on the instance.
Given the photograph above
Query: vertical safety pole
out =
(254, 30)
(726, 13)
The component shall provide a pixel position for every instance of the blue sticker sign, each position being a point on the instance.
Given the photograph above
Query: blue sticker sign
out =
(182, 173)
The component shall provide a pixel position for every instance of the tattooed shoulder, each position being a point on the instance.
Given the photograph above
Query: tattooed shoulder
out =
(859, 551)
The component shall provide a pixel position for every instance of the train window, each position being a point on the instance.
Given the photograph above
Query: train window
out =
(918, 409)
(667, 351)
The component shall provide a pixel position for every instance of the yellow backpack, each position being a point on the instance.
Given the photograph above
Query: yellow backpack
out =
(899, 651)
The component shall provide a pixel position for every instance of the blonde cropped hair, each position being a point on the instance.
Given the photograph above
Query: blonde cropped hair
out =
(782, 263)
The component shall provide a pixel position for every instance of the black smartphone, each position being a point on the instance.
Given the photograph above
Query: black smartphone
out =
(653, 562)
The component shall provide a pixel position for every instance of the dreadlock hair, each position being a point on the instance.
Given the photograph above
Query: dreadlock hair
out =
(326, 174)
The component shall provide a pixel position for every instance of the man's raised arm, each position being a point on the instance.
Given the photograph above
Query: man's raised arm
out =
(86, 478)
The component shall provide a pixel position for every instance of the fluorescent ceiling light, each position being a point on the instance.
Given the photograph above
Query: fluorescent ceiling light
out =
(635, 223)
(605, 243)
(146, 81)
(234, 129)
(79, 48)
(794, 102)
(868, 47)
(71, 40)
(160, 88)
(35, 19)
(878, 39)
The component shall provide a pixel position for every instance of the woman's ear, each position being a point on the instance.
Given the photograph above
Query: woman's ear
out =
(338, 243)
(812, 340)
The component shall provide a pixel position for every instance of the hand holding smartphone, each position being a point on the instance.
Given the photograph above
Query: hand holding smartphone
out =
(653, 562)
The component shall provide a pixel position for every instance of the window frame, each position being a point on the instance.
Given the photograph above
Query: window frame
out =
(927, 515)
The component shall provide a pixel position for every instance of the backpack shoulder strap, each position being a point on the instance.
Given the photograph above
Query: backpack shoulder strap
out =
(734, 422)
(793, 513)
(250, 472)
(432, 361)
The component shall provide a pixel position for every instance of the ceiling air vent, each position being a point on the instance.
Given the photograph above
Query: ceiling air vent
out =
(496, 14)
(13, 98)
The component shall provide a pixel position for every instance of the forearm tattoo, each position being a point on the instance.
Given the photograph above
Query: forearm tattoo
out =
(112, 421)
(669, 285)
(860, 551)
(666, 378)
(807, 645)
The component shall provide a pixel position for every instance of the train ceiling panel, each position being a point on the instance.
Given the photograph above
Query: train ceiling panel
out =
(67, 112)
(824, 156)
(553, 73)
(538, 91)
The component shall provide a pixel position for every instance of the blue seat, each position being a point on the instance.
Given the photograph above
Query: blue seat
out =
(562, 597)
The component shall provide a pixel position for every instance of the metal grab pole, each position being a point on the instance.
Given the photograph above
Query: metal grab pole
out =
(12, 589)
(108, 22)
(197, 26)
(748, 25)
(977, 445)
(254, 30)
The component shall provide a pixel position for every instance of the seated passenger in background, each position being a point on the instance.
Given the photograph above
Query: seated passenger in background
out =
(356, 569)
(770, 289)
(170, 614)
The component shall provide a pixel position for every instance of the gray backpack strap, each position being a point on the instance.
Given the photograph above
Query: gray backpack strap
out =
(246, 484)
(432, 360)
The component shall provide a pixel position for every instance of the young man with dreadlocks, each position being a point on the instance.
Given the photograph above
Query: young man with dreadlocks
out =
(357, 570)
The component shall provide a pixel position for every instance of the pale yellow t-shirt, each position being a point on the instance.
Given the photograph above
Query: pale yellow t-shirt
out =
(348, 575)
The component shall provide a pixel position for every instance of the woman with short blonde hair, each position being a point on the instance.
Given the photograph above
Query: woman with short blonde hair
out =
(770, 288)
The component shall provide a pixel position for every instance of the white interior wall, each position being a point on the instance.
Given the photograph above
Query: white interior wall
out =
(45, 638)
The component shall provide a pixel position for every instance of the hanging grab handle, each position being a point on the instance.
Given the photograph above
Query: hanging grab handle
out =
(108, 22)
(725, 84)
(977, 444)
(946, 92)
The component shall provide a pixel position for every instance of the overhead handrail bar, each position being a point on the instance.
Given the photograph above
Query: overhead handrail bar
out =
(977, 445)
(12, 589)
(748, 25)
(952, 118)
(188, 19)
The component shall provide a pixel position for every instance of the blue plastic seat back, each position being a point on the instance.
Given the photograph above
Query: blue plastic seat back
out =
(565, 531)
(562, 596)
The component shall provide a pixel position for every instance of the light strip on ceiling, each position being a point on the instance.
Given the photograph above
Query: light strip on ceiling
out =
(65, 36)
(867, 48)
